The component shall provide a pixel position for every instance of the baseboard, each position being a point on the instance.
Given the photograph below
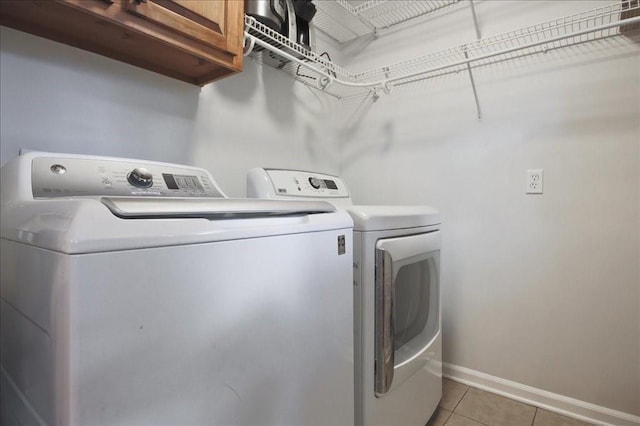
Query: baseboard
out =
(550, 401)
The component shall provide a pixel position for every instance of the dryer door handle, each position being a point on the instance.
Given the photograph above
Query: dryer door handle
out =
(384, 322)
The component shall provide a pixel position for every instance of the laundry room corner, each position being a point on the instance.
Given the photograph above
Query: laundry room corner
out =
(263, 117)
(550, 280)
(475, 162)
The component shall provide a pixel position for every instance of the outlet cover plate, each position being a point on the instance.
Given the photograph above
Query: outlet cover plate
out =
(535, 179)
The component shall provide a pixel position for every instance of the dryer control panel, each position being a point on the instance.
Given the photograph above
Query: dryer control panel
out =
(60, 176)
(279, 183)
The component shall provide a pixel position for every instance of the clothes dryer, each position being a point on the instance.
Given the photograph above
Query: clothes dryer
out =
(398, 375)
(135, 293)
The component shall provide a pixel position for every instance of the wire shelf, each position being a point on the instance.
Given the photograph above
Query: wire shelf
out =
(526, 41)
(344, 23)
(340, 21)
(566, 31)
(385, 13)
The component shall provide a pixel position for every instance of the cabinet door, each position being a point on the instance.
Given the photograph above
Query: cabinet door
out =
(203, 21)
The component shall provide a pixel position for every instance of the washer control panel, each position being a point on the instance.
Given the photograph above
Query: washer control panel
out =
(105, 176)
(278, 183)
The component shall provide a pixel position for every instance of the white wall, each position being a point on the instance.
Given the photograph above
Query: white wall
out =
(542, 290)
(263, 119)
(59, 98)
(62, 99)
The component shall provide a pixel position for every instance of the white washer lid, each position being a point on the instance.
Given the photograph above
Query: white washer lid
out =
(79, 225)
(379, 218)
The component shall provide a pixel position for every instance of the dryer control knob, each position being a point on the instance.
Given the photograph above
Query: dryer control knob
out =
(140, 177)
(315, 182)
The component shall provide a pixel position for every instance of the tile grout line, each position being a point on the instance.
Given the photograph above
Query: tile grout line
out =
(448, 418)
(533, 422)
(461, 398)
(457, 403)
(467, 417)
(535, 413)
(461, 415)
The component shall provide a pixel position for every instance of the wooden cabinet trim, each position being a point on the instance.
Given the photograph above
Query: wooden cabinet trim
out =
(109, 29)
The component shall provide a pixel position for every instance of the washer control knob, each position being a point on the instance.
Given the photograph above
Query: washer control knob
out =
(315, 182)
(140, 177)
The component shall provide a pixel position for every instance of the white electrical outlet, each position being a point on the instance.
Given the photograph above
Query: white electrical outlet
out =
(534, 181)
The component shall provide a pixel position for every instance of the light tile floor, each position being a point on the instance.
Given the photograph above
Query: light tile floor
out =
(462, 405)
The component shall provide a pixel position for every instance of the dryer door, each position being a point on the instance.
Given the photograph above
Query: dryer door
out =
(407, 317)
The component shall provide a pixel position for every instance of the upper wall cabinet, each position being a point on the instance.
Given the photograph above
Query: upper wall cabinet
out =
(197, 41)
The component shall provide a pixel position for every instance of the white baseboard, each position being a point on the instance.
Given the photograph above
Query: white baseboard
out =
(550, 401)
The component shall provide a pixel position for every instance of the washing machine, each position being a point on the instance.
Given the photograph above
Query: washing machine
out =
(397, 332)
(135, 293)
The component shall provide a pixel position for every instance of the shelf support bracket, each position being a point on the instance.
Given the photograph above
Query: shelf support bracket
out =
(473, 84)
(248, 45)
(475, 19)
